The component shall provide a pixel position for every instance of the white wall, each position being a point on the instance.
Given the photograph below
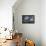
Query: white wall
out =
(43, 22)
(6, 13)
(31, 31)
(6, 17)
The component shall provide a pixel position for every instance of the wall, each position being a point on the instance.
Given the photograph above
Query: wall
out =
(43, 22)
(6, 18)
(30, 31)
(6, 13)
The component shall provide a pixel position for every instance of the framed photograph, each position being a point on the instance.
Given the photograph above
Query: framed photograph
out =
(28, 19)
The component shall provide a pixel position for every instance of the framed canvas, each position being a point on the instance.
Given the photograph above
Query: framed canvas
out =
(28, 19)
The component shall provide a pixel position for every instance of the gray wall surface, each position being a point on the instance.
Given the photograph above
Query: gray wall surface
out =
(30, 31)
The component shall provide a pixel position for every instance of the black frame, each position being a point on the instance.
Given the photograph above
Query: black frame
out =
(28, 19)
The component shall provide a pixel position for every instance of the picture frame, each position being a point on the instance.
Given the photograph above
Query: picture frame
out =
(28, 19)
